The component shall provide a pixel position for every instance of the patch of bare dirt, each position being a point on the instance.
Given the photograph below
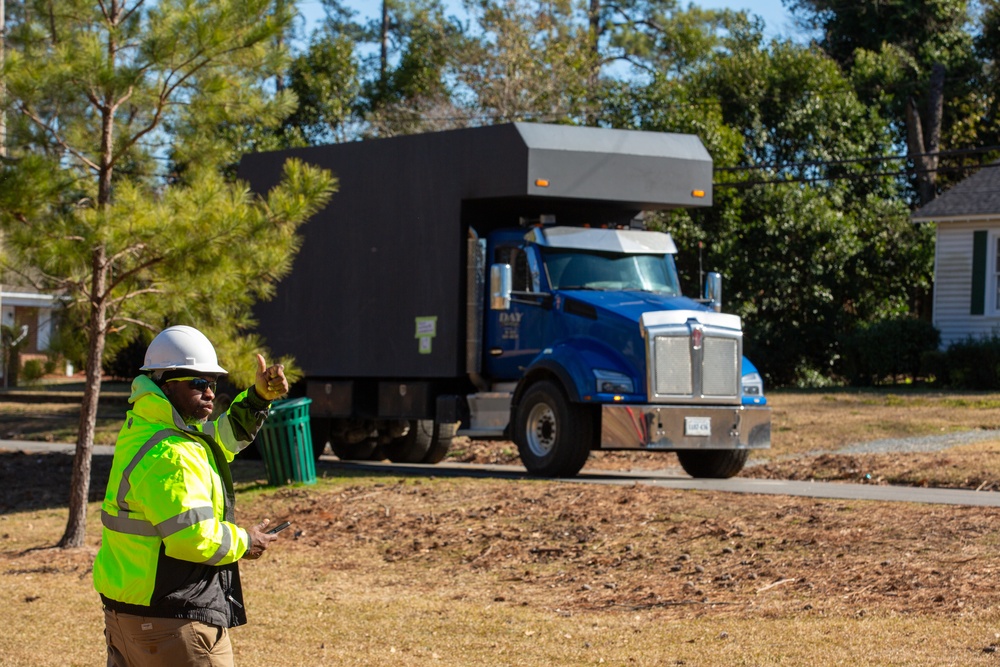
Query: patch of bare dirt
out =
(573, 547)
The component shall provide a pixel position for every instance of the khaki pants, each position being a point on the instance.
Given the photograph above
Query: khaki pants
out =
(140, 641)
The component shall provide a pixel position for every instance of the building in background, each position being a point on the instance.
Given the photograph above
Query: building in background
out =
(32, 315)
(966, 256)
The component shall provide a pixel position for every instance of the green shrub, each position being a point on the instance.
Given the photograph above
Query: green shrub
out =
(934, 367)
(890, 350)
(973, 363)
(32, 370)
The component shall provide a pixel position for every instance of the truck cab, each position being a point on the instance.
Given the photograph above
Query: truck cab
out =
(586, 313)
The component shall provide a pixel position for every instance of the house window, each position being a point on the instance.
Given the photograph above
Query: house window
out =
(995, 273)
(981, 272)
(985, 273)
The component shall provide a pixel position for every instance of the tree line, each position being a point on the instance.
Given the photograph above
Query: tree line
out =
(823, 141)
(123, 121)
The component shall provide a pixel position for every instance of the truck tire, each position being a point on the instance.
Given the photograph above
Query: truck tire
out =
(412, 447)
(443, 435)
(713, 463)
(353, 451)
(552, 435)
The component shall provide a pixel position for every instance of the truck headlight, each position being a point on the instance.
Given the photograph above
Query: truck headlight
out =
(753, 384)
(610, 382)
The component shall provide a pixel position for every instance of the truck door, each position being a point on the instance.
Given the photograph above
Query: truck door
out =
(515, 337)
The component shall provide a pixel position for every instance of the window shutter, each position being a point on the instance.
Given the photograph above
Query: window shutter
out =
(979, 243)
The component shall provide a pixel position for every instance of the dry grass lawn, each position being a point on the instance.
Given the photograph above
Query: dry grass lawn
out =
(396, 571)
(385, 570)
(804, 422)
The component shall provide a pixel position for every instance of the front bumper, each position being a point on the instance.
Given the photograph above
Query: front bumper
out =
(685, 427)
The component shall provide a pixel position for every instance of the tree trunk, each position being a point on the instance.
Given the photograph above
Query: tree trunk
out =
(79, 491)
(924, 143)
(383, 60)
(97, 325)
(3, 83)
(594, 37)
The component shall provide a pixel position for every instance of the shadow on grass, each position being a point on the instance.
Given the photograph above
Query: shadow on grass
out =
(41, 480)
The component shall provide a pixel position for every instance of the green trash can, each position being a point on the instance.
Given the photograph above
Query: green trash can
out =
(286, 443)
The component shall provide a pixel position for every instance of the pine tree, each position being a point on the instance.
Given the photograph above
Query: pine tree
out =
(99, 95)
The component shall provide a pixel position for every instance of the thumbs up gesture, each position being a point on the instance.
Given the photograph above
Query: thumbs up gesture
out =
(271, 382)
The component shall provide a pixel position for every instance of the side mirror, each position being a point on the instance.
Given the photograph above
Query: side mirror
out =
(713, 290)
(500, 286)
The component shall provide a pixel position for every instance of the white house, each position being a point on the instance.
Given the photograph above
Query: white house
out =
(967, 256)
(31, 313)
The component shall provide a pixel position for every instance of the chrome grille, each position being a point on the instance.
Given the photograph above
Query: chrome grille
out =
(690, 362)
(720, 368)
(673, 365)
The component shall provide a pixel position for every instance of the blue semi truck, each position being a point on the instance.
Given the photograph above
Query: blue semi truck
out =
(498, 282)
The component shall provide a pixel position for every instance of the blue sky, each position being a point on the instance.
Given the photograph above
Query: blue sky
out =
(776, 18)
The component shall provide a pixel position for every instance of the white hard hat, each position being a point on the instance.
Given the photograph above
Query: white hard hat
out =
(181, 348)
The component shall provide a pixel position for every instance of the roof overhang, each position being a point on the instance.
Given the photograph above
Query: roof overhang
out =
(938, 219)
(28, 299)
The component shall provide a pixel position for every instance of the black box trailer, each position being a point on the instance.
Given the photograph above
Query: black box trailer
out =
(391, 246)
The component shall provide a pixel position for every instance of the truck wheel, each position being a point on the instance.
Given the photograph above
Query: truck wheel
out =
(320, 429)
(414, 445)
(357, 451)
(443, 435)
(553, 436)
(713, 463)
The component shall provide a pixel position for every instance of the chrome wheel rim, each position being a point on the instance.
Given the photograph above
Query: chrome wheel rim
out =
(541, 430)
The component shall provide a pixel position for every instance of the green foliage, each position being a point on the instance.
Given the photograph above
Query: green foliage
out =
(931, 29)
(973, 363)
(887, 350)
(663, 37)
(409, 84)
(324, 80)
(32, 370)
(528, 65)
(104, 91)
(892, 50)
(199, 251)
(814, 244)
(808, 245)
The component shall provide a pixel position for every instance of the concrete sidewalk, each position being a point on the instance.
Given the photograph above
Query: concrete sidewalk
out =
(29, 446)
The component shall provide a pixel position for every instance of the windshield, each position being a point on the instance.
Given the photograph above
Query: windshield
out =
(569, 270)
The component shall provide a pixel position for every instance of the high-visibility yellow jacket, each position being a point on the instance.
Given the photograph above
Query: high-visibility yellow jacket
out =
(169, 544)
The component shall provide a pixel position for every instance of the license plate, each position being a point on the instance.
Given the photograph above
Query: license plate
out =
(698, 426)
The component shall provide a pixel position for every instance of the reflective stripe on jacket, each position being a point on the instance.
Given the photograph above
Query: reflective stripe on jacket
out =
(169, 543)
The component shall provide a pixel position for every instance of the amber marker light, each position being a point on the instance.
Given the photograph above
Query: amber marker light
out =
(698, 193)
(542, 182)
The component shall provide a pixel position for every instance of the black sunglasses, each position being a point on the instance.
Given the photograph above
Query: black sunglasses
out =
(198, 384)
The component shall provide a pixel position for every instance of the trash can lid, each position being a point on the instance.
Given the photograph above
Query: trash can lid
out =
(290, 403)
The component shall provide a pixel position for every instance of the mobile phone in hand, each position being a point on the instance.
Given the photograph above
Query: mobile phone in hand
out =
(280, 527)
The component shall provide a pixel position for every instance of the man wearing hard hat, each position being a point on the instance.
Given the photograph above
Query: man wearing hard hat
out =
(167, 568)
